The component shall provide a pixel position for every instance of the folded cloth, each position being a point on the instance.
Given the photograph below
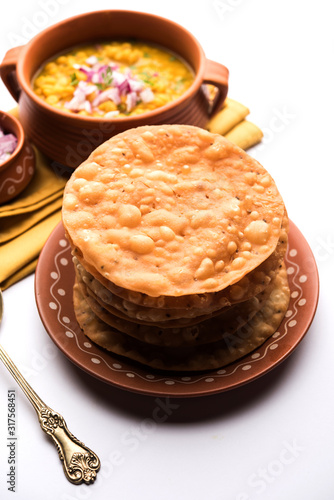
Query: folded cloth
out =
(27, 221)
(231, 123)
(13, 226)
(45, 186)
(245, 134)
(19, 275)
(232, 113)
(17, 254)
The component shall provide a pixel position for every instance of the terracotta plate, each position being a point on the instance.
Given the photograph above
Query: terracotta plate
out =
(53, 289)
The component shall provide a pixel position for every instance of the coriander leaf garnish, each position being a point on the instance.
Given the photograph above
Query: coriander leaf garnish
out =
(107, 79)
(74, 79)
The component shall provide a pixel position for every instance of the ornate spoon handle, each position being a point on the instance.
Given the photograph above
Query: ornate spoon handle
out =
(79, 462)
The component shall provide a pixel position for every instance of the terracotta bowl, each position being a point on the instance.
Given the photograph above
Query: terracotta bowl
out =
(69, 139)
(17, 171)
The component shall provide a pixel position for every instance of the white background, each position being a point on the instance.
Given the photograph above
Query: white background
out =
(273, 438)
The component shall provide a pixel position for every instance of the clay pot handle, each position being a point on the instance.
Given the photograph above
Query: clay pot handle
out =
(216, 74)
(8, 71)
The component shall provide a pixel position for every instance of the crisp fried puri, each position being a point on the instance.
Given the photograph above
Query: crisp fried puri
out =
(172, 210)
(189, 358)
(161, 318)
(212, 329)
(145, 308)
(178, 240)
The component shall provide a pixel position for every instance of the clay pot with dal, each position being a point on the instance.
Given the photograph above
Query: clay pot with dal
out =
(69, 138)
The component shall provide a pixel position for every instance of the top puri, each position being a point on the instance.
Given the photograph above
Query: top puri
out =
(182, 210)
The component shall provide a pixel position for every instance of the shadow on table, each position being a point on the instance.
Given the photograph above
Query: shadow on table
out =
(188, 410)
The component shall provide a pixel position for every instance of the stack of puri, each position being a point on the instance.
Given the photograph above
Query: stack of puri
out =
(178, 240)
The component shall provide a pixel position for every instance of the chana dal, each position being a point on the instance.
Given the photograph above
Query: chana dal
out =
(113, 79)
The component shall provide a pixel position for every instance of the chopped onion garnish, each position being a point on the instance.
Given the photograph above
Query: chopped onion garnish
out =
(107, 83)
(111, 114)
(8, 143)
(92, 60)
(146, 95)
(79, 100)
(135, 85)
(131, 101)
(111, 94)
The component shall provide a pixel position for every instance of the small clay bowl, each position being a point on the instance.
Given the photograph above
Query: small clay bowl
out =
(18, 170)
(68, 138)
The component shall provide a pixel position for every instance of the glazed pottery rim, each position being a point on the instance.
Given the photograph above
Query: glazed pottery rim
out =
(26, 86)
(20, 139)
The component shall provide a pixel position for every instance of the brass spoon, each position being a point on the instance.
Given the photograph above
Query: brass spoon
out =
(79, 462)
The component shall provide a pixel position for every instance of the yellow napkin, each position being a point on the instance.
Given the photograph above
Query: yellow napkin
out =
(45, 187)
(13, 226)
(231, 123)
(18, 257)
(245, 134)
(27, 221)
(232, 113)
(19, 275)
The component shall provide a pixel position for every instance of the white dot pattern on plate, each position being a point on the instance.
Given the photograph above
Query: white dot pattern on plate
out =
(54, 275)
(292, 323)
(186, 379)
(290, 270)
(53, 305)
(19, 169)
(169, 382)
(209, 379)
(246, 367)
(273, 347)
(130, 375)
(64, 262)
(31, 170)
(69, 334)
(117, 366)
(303, 278)
(63, 243)
(302, 302)
(294, 294)
(221, 372)
(11, 190)
(61, 292)
(87, 344)
(293, 252)
(276, 334)
(66, 319)
(255, 355)
(96, 361)
(150, 377)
